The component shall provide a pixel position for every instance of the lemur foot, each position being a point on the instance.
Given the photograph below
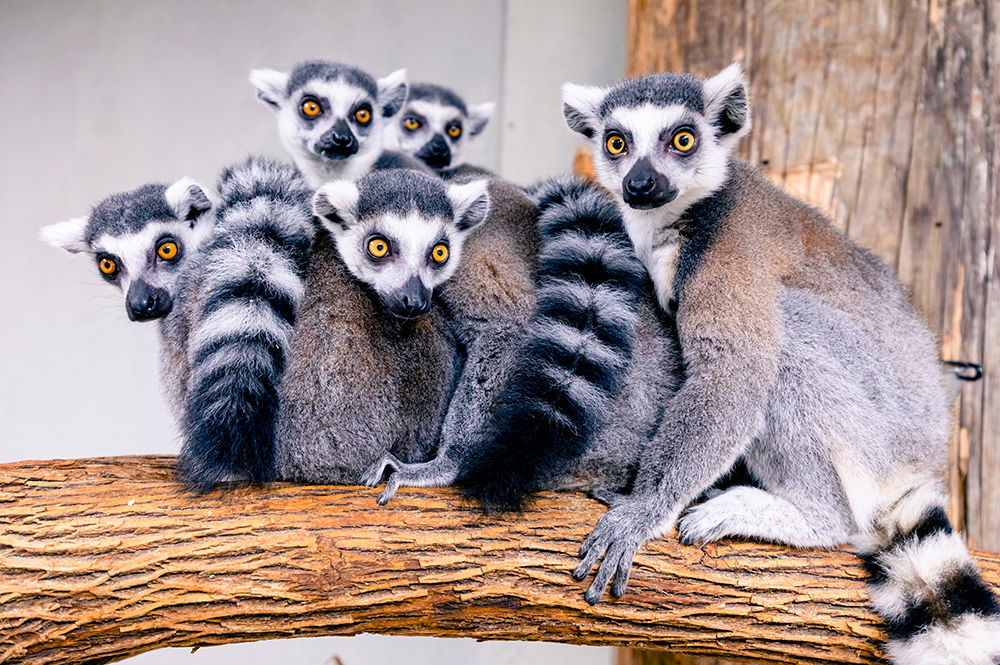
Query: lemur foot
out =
(709, 521)
(617, 537)
(389, 465)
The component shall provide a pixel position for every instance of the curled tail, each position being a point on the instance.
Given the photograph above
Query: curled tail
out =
(928, 589)
(576, 354)
(253, 271)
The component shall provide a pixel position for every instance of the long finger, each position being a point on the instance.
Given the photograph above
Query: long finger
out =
(623, 571)
(604, 573)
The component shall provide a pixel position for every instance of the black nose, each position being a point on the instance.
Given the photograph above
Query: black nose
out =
(146, 303)
(411, 301)
(435, 153)
(338, 142)
(644, 187)
(641, 185)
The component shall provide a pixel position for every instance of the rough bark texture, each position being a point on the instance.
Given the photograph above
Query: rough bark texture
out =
(883, 113)
(102, 559)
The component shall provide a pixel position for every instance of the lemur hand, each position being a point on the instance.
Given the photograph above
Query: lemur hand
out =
(619, 534)
(389, 465)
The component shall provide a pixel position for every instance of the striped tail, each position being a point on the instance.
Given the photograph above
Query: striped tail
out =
(576, 355)
(253, 272)
(928, 589)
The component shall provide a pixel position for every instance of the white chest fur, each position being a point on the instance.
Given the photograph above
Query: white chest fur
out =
(658, 247)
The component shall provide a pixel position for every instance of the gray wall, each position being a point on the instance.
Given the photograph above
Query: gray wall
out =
(103, 96)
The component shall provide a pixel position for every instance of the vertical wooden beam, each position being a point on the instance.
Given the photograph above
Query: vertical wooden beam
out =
(885, 114)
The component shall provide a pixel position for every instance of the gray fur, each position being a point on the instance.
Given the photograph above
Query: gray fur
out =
(802, 354)
(489, 302)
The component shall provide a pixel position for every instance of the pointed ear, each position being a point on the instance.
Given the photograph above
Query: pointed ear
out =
(727, 103)
(271, 86)
(189, 200)
(336, 205)
(580, 106)
(68, 235)
(392, 92)
(479, 116)
(471, 202)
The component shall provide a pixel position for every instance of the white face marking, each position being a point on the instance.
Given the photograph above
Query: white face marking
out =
(649, 130)
(136, 256)
(411, 240)
(340, 100)
(435, 118)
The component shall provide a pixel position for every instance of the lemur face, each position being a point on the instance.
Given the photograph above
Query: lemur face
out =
(435, 125)
(140, 240)
(330, 113)
(662, 138)
(401, 232)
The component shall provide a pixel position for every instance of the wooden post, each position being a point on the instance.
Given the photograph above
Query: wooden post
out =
(883, 113)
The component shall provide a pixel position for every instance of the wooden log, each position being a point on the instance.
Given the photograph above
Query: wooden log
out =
(101, 559)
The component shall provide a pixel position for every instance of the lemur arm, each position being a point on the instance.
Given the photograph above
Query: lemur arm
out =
(730, 336)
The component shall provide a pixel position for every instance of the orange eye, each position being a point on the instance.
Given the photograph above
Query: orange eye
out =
(440, 253)
(683, 141)
(311, 108)
(454, 131)
(378, 247)
(107, 266)
(167, 250)
(411, 124)
(615, 144)
(363, 116)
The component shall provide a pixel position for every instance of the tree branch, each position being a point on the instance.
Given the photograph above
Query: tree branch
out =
(101, 559)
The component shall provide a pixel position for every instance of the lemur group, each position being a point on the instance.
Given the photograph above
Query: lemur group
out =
(379, 311)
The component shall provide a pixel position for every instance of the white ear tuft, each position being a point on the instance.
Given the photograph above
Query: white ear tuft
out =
(392, 91)
(68, 235)
(479, 117)
(336, 204)
(471, 203)
(727, 103)
(271, 86)
(189, 200)
(580, 106)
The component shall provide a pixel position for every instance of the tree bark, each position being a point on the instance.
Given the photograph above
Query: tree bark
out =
(102, 559)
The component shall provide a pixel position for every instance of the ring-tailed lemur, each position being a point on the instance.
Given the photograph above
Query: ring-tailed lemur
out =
(373, 372)
(801, 352)
(225, 281)
(436, 126)
(332, 118)
(144, 242)
(591, 376)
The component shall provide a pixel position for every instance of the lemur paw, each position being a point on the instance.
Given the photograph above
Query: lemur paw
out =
(617, 537)
(387, 465)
